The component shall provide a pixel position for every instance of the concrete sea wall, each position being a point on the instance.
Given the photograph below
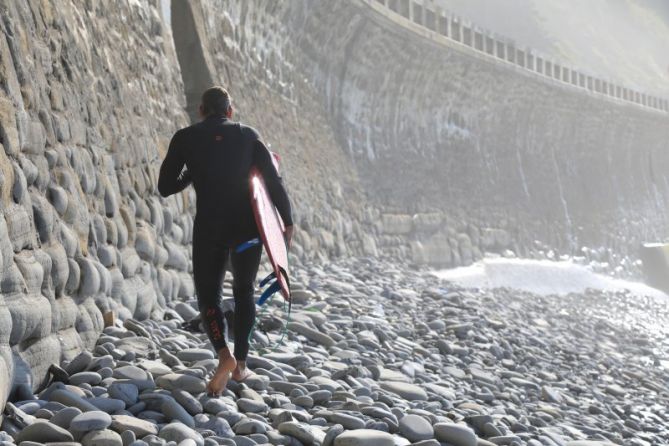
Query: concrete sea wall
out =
(445, 121)
(464, 131)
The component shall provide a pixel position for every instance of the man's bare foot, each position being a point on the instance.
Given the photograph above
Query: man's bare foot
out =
(226, 364)
(241, 372)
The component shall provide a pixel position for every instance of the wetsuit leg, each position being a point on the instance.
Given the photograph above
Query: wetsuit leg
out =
(209, 263)
(244, 270)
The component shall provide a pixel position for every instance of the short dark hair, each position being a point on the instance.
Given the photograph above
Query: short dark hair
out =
(215, 100)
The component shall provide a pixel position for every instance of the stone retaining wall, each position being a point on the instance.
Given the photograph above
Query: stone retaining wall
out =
(88, 100)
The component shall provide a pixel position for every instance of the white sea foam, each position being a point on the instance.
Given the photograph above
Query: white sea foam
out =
(542, 277)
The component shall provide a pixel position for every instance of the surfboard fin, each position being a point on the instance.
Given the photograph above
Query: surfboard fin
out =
(272, 277)
(267, 279)
(273, 288)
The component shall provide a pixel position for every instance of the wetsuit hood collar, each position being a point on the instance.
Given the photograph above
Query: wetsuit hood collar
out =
(215, 117)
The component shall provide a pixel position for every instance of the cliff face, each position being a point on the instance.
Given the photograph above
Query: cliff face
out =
(88, 100)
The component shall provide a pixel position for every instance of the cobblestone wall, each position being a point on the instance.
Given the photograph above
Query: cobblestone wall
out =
(88, 100)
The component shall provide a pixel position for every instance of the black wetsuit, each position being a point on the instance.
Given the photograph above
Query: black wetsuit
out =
(218, 154)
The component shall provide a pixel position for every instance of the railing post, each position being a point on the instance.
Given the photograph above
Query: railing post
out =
(456, 29)
(510, 52)
(438, 14)
(530, 60)
(445, 24)
(500, 49)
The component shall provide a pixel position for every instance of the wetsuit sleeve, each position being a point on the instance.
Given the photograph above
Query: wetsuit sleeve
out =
(262, 159)
(172, 180)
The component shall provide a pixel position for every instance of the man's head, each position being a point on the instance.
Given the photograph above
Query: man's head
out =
(216, 101)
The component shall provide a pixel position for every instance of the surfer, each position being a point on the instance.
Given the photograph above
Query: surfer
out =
(217, 154)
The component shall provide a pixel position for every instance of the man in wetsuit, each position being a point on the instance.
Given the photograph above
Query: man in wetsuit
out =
(217, 154)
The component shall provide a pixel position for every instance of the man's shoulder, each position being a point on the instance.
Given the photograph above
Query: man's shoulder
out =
(192, 128)
(185, 131)
(249, 131)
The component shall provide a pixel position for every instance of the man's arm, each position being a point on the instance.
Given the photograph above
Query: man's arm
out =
(262, 159)
(172, 180)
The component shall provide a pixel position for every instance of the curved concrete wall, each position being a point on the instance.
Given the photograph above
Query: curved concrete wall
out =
(472, 133)
(437, 125)
(82, 231)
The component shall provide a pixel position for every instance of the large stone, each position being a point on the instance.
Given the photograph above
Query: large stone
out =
(175, 412)
(332, 433)
(102, 438)
(90, 421)
(179, 432)
(306, 433)
(415, 428)
(311, 334)
(64, 417)
(410, 392)
(249, 426)
(349, 422)
(250, 405)
(92, 378)
(130, 372)
(70, 399)
(79, 363)
(194, 354)
(187, 401)
(184, 382)
(126, 392)
(141, 347)
(456, 434)
(109, 405)
(219, 425)
(44, 432)
(364, 437)
(141, 428)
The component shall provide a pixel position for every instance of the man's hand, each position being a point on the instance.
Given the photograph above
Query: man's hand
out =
(288, 234)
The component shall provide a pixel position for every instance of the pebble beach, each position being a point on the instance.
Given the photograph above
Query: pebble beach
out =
(374, 354)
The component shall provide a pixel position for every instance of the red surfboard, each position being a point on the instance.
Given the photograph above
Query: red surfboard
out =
(271, 227)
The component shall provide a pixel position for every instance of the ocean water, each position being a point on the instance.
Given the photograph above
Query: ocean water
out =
(542, 277)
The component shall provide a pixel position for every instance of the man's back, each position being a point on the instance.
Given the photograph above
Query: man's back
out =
(218, 154)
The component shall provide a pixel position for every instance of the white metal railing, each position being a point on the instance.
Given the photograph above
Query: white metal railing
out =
(453, 28)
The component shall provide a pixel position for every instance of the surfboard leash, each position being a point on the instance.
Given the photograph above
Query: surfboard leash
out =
(265, 300)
